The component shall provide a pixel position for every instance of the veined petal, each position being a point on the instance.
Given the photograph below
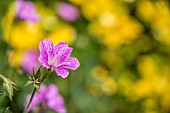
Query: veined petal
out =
(61, 44)
(62, 72)
(63, 54)
(71, 63)
(43, 55)
(46, 52)
(62, 51)
(49, 48)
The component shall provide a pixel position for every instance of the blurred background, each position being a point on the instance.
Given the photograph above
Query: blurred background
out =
(123, 47)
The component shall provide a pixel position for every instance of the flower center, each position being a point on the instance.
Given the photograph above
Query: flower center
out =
(52, 63)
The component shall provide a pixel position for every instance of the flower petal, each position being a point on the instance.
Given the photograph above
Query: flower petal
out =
(61, 44)
(62, 51)
(37, 99)
(57, 104)
(71, 63)
(62, 72)
(43, 90)
(32, 56)
(49, 48)
(46, 52)
(43, 55)
(26, 11)
(52, 92)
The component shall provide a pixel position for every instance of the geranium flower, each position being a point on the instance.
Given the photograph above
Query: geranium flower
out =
(30, 61)
(26, 11)
(49, 97)
(67, 11)
(57, 57)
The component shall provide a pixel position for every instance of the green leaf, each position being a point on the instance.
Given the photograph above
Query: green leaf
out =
(29, 83)
(8, 89)
(2, 92)
(8, 86)
(2, 77)
(29, 76)
(5, 110)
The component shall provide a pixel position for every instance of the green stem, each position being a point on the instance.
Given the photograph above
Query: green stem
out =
(27, 108)
(44, 77)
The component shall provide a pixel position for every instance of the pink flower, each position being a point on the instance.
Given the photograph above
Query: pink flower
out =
(30, 61)
(37, 99)
(26, 11)
(57, 57)
(49, 97)
(67, 11)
